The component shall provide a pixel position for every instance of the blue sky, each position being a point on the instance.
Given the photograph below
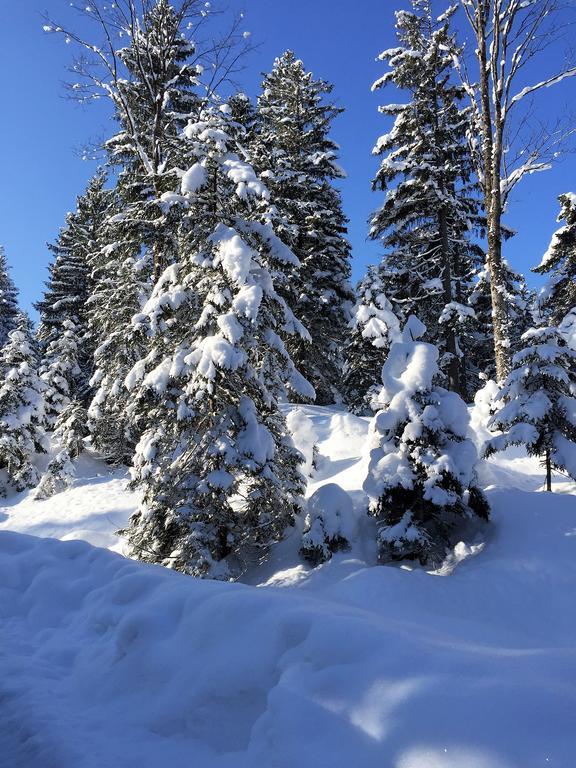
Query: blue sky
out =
(41, 131)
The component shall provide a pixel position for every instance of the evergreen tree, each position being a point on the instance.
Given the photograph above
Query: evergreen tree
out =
(218, 472)
(294, 152)
(60, 371)
(21, 409)
(69, 286)
(539, 402)
(8, 301)
(152, 105)
(371, 331)
(431, 203)
(70, 434)
(420, 479)
(118, 296)
(559, 263)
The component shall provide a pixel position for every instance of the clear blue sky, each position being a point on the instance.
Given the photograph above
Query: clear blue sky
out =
(42, 173)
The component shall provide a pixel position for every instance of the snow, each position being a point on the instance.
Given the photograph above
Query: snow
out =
(111, 662)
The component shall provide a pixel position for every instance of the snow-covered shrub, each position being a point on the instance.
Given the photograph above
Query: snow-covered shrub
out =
(421, 479)
(57, 477)
(371, 331)
(539, 402)
(330, 524)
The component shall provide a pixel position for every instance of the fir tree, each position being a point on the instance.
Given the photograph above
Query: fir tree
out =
(219, 475)
(371, 331)
(559, 263)
(60, 371)
(118, 295)
(8, 301)
(70, 434)
(21, 409)
(420, 479)
(297, 157)
(431, 203)
(70, 283)
(539, 402)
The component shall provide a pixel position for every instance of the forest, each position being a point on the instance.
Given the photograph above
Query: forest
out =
(202, 356)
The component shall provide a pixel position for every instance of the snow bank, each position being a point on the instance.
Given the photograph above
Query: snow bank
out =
(108, 662)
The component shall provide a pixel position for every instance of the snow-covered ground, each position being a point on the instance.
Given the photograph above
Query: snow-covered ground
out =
(110, 663)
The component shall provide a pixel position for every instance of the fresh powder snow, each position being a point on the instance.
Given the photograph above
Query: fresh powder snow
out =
(111, 662)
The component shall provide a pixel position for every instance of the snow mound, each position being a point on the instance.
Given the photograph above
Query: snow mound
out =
(110, 662)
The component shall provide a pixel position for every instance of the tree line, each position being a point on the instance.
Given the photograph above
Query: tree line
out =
(203, 279)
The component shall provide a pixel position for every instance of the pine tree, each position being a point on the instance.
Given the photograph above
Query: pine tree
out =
(420, 479)
(218, 473)
(8, 301)
(60, 371)
(21, 409)
(70, 283)
(118, 296)
(559, 263)
(70, 434)
(152, 105)
(294, 152)
(539, 402)
(371, 331)
(431, 203)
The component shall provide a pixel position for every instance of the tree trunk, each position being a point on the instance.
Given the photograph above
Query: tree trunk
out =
(548, 472)
(492, 156)
(453, 372)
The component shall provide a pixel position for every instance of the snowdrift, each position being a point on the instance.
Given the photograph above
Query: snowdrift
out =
(110, 663)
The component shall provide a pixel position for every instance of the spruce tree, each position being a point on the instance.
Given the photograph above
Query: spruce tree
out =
(420, 481)
(8, 300)
(217, 470)
(371, 331)
(60, 371)
(118, 296)
(70, 283)
(559, 262)
(539, 402)
(69, 435)
(21, 410)
(298, 158)
(431, 202)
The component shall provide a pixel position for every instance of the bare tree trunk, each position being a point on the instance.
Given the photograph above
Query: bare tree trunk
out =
(548, 472)
(453, 372)
(492, 153)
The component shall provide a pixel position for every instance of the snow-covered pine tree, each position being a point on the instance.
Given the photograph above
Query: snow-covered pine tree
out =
(539, 397)
(370, 334)
(60, 371)
(69, 435)
(21, 410)
(8, 300)
(294, 152)
(431, 203)
(558, 297)
(120, 289)
(70, 283)
(420, 480)
(152, 105)
(219, 475)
